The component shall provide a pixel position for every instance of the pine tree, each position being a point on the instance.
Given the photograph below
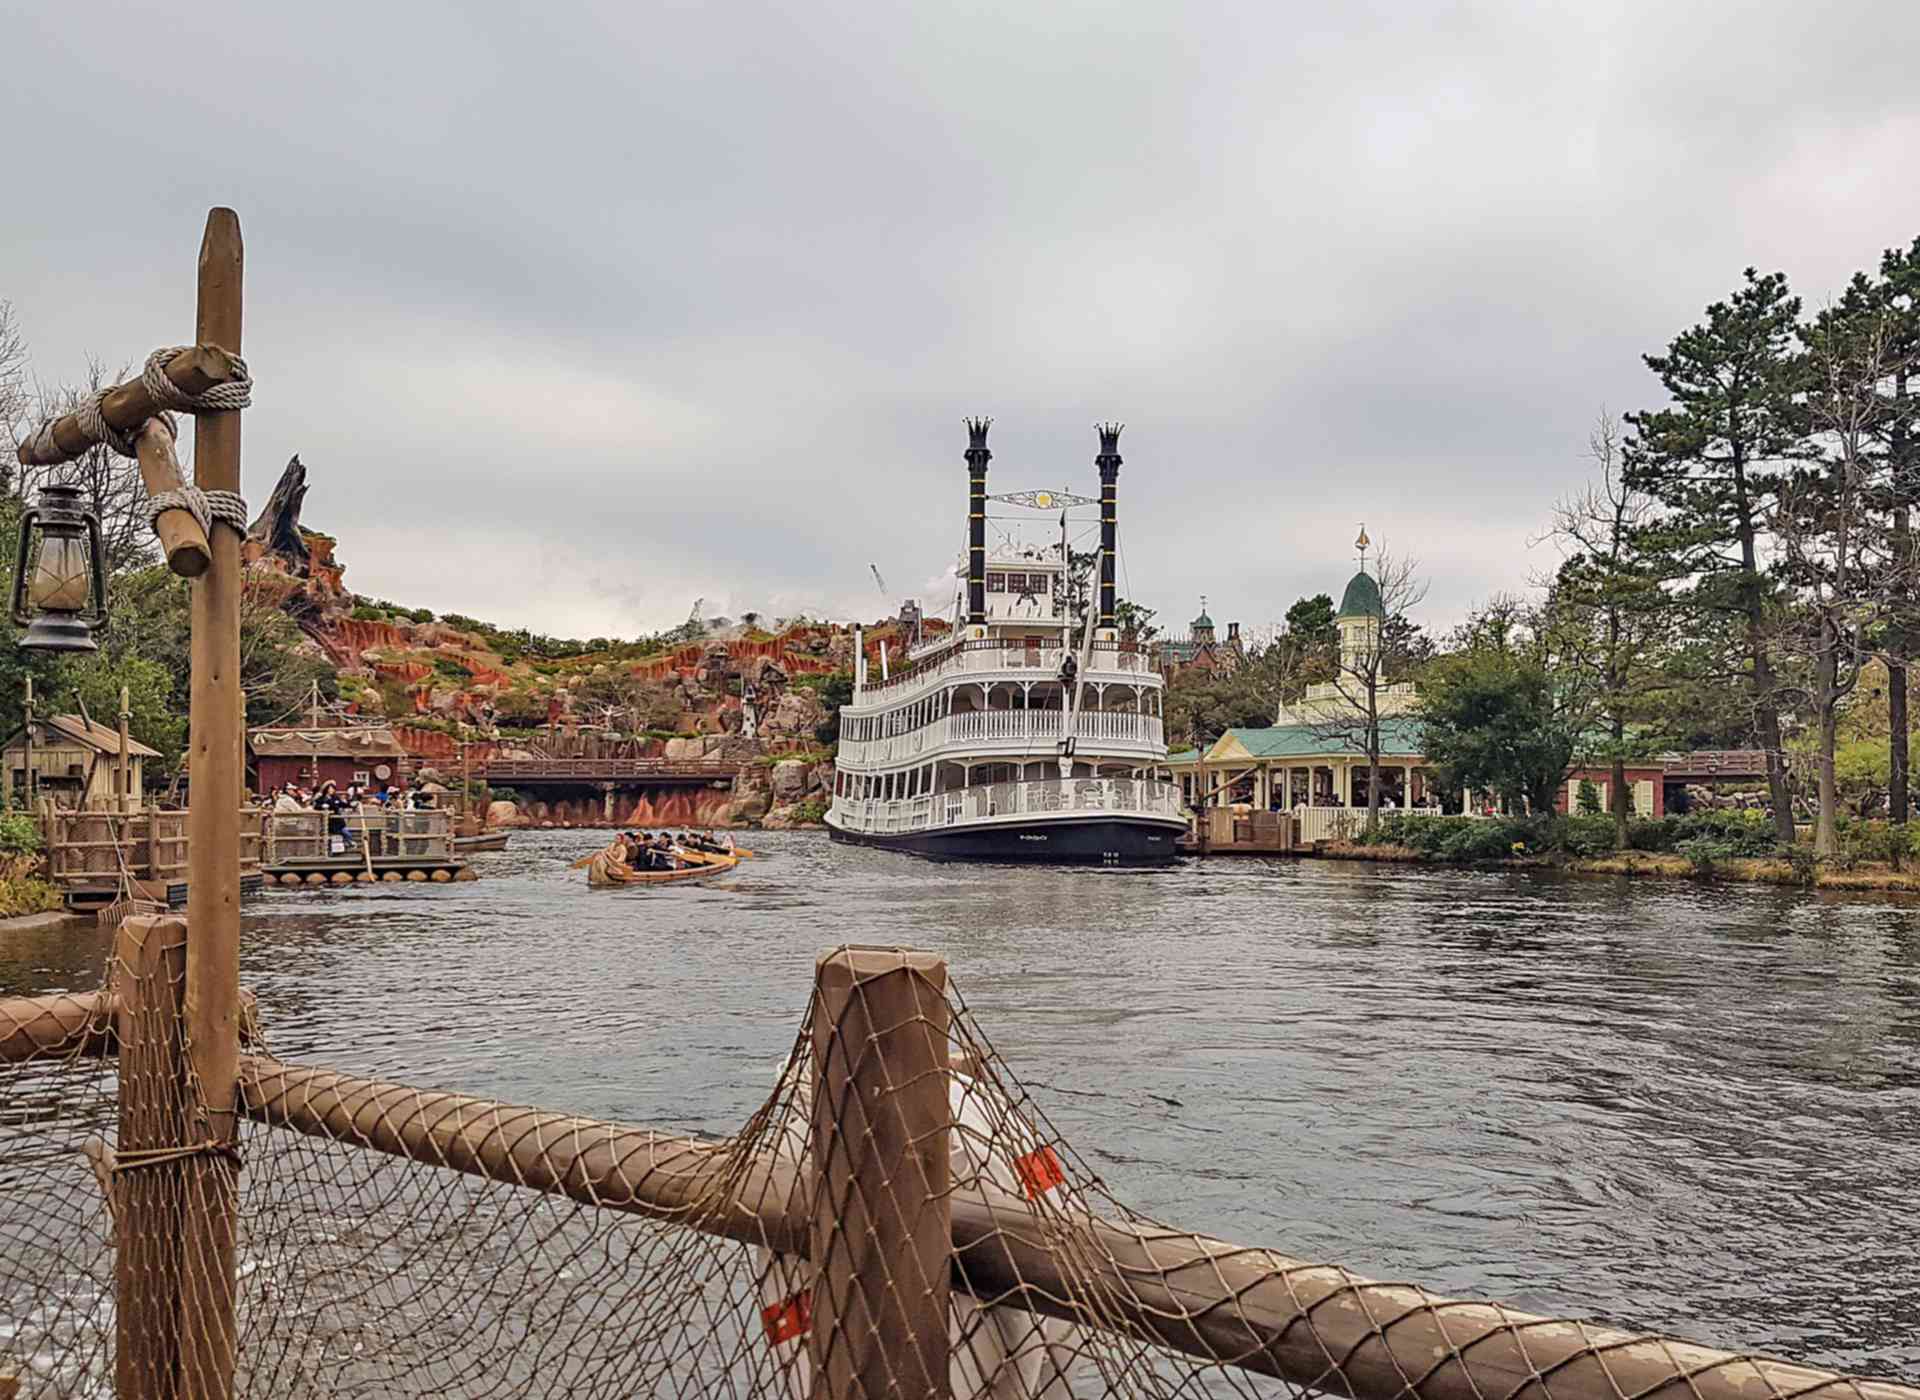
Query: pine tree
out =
(1897, 294)
(1713, 460)
(1831, 542)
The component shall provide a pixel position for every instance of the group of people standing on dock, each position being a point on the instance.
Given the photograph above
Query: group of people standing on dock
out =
(339, 803)
(331, 798)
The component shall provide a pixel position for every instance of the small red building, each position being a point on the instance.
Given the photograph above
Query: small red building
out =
(1647, 781)
(366, 754)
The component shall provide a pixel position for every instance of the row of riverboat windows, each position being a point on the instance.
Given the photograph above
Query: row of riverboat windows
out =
(1040, 585)
(901, 721)
(885, 787)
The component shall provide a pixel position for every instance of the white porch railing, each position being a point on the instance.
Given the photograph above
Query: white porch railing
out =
(1345, 823)
(1328, 823)
(997, 801)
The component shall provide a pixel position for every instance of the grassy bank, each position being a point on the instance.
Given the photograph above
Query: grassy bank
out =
(1709, 845)
(1861, 876)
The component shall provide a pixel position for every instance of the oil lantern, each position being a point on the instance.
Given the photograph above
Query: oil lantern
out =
(60, 589)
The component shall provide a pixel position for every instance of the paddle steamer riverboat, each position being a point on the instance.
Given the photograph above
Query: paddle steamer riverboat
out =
(1024, 734)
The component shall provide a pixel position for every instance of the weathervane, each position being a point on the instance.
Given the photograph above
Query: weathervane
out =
(1361, 545)
(1044, 500)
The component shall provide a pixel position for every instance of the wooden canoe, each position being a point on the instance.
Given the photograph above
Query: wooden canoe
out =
(604, 872)
(485, 841)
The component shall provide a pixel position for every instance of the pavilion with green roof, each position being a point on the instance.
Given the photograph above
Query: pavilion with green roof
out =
(1314, 754)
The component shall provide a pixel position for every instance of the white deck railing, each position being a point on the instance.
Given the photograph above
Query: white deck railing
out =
(994, 802)
(1022, 729)
(982, 658)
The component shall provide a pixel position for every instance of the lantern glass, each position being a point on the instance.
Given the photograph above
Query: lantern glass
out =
(66, 596)
(62, 576)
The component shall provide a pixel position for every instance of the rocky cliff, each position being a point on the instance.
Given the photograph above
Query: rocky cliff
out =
(737, 691)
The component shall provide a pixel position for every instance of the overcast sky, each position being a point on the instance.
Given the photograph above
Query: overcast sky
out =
(579, 311)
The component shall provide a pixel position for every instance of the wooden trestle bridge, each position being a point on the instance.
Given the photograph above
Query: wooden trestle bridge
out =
(529, 772)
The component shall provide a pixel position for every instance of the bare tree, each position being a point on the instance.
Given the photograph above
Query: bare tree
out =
(1833, 549)
(13, 384)
(1368, 664)
(110, 484)
(1608, 610)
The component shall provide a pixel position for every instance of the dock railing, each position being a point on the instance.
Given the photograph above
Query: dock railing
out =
(898, 1218)
(297, 838)
(91, 849)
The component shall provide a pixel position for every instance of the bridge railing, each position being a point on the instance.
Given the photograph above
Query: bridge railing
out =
(590, 769)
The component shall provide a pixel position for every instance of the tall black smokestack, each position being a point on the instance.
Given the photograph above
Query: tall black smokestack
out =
(977, 459)
(1109, 463)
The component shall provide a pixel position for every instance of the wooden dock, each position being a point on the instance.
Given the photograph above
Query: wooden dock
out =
(378, 846)
(1235, 833)
(94, 857)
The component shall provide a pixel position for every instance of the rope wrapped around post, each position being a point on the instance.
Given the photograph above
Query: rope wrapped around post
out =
(136, 420)
(186, 378)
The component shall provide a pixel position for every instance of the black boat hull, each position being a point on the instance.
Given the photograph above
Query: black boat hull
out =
(1114, 841)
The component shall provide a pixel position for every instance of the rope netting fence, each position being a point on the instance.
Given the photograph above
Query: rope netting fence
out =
(898, 1218)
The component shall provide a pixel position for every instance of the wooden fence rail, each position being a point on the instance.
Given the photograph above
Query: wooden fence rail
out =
(87, 847)
(1315, 1325)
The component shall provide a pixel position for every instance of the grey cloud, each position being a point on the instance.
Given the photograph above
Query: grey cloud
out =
(580, 310)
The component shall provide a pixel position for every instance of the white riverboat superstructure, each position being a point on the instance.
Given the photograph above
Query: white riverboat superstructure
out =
(1023, 734)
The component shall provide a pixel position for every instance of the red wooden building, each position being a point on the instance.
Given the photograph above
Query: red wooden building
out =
(366, 754)
(1647, 781)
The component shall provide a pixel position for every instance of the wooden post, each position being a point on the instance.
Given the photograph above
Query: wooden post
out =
(181, 538)
(881, 1225)
(150, 1203)
(126, 766)
(26, 738)
(213, 853)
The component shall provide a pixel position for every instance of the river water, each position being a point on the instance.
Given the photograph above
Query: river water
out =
(1676, 1106)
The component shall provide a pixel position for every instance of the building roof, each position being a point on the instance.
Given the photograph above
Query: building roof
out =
(85, 733)
(1400, 738)
(362, 741)
(1362, 598)
(1202, 621)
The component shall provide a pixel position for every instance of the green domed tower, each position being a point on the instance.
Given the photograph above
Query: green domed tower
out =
(1201, 628)
(1361, 611)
